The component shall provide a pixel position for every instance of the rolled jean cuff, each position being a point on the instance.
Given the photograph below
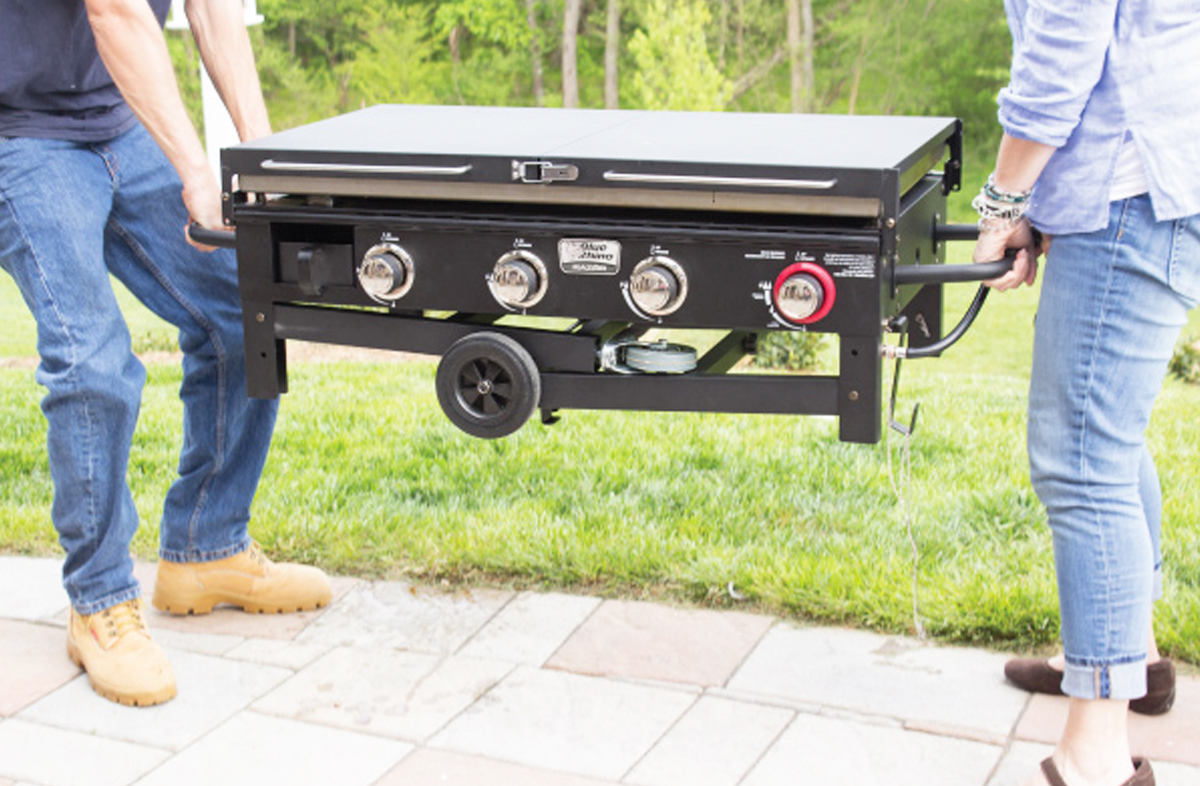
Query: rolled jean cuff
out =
(1120, 681)
(107, 602)
(184, 557)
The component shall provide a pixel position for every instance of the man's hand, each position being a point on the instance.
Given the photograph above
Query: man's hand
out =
(132, 46)
(202, 198)
(994, 241)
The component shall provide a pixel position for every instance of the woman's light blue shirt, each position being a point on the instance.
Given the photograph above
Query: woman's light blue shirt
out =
(1087, 72)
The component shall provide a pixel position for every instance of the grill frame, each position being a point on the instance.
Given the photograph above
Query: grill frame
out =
(343, 192)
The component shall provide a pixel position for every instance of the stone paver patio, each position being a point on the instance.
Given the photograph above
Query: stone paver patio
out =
(401, 685)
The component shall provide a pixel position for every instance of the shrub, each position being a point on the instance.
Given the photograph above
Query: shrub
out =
(785, 349)
(1186, 362)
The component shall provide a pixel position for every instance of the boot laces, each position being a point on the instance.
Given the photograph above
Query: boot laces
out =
(255, 553)
(123, 618)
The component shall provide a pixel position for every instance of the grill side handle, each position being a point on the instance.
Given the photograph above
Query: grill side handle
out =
(219, 238)
(953, 274)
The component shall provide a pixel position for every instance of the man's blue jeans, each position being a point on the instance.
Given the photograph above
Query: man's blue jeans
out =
(1112, 305)
(71, 214)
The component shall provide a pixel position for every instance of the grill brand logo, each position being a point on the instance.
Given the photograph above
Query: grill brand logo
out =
(587, 257)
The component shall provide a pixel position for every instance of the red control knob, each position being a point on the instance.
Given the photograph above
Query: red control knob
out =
(804, 293)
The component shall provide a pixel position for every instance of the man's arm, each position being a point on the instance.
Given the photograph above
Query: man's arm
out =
(220, 32)
(131, 43)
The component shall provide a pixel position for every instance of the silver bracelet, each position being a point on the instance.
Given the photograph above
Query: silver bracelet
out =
(997, 194)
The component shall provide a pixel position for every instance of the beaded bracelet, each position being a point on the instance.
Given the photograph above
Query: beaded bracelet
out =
(999, 209)
(997, 194)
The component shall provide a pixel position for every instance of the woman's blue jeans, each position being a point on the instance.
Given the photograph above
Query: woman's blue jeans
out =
(1112, 305)
(71, 214)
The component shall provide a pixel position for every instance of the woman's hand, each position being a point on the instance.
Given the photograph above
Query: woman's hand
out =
(997, 237)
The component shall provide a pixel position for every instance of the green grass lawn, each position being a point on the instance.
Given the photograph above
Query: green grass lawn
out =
(771, 513)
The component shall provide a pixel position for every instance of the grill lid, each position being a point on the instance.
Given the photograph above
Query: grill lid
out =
(820, 164)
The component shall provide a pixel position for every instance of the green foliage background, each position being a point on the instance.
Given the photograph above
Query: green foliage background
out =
(319, 58)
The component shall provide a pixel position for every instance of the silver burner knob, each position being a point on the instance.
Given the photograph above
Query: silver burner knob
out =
(658, 286)
(518, 280)
(386, 272)
(799, 296)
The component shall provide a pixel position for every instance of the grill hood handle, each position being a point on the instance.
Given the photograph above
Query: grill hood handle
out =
(219, 238)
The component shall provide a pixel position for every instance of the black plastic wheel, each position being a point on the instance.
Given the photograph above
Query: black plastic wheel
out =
(488, 385)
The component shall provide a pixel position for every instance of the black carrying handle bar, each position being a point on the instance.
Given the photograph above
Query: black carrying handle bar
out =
(212, 237)
(953, 274)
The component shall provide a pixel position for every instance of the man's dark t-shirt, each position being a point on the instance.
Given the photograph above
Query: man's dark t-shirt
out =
(53, 83)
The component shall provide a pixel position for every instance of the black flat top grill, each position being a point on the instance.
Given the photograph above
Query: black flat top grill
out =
(424, 228)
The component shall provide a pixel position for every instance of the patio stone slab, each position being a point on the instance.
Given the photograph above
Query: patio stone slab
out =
(560, 721)
(56, 757)
(33, 663)
(947, 689)
(252, 749)
(275, 652)
(649, 641)
(402, 616)
(715, 744)
(31, 588)
(406, 695)
(1174, 736)
(1024, 758)
(440, 768)
(531, 628)
(834, 752)
(201, 643)
(210, 691)
(1171, 774)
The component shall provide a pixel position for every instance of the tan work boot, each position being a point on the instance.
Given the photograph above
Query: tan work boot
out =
(248, 580)
(122, 662)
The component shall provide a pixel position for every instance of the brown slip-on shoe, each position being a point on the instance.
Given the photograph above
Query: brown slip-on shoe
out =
(1160, 689)
(122, 662)
(1036, 675)
(1143, 775)
(248, 580)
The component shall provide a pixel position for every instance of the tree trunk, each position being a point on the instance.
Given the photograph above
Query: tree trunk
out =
(810, 77)
(794, 54)
(570, 65)
(746, 82)
(859, 64)
(535, 53)
(612, 47)
(456, 34)
(723, 40)
(800, 46)
(741, 31)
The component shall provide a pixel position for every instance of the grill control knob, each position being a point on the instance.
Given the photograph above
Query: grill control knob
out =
(800, 297)
(804, 293)
(658, 286)
(386, 272)
(518, 280)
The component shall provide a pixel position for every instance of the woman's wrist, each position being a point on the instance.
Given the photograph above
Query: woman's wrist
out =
(999, 209)
(997, 193)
